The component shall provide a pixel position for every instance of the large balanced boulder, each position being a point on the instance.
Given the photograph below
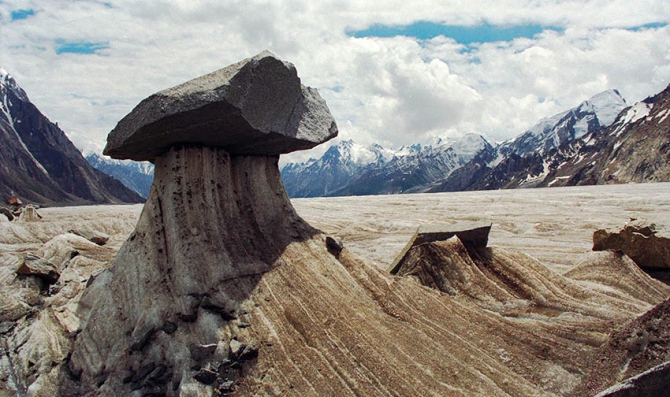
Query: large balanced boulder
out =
(217, 218)
(646, 243)
(255, 107)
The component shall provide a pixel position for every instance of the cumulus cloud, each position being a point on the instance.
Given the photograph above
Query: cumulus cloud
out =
(393, 90)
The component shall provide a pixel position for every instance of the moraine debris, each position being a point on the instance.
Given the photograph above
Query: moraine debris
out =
(334, 245)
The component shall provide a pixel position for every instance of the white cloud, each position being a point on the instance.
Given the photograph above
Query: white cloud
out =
(393, 90)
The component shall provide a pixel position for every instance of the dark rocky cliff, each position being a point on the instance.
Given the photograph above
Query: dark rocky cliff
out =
(38, 162)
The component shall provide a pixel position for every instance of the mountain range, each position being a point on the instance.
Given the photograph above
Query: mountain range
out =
(39, 164)
(136, 175)
(602, 140)
(634, 147)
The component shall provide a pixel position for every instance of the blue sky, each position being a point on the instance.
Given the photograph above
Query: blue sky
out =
(483, 33)
(79, 47)
(21, 14)
(392, 75)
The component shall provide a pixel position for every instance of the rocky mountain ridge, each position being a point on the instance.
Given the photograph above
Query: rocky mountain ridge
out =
(39, 164)
(470, 163)
(634, 148)
(551, 153)
(136, 175)
(352, 169)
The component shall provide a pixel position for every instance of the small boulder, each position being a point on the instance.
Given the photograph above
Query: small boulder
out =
(205, 376)
(334, 245)
(141, 337)
(240, 351)
(35, 266)
(201, 352)
(647, 244)
(15, 201)
(94, 237)
(4, 211)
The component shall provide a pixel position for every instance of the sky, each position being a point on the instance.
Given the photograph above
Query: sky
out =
(392, 72)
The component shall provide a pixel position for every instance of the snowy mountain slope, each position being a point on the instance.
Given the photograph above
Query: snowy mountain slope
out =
(525, 161)
(351, 169)
(634, 148)
(560, 129)
(419, 170)
(339, 165)
(136, 175)
(38, 163)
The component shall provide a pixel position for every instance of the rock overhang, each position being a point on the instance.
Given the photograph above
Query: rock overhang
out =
(257, 106)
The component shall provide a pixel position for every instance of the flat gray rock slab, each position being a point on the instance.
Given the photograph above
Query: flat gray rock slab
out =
(257, 106)
(470, 234)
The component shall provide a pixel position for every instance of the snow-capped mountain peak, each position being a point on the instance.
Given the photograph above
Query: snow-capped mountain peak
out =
(607, 105)
(350, 168)
(469, 145)
(7, 82)
(552, 132)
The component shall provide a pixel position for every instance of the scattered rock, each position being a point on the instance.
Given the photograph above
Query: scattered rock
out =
(212, 305)
(4, 211)
(227, 386)
(143, 372)
(94, 237)
(142, 337)
(205, 376)
(36, 266)
(240, 351)
(260, 102)
(169, 327)
(15, 201)
(470, 234)
(645, 243)
(334, 245)
(201, 352)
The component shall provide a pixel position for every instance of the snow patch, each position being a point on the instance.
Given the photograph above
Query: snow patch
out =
(581, 127)
(637, 112)
(607, 105)
(663, 115)
(558, 179)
